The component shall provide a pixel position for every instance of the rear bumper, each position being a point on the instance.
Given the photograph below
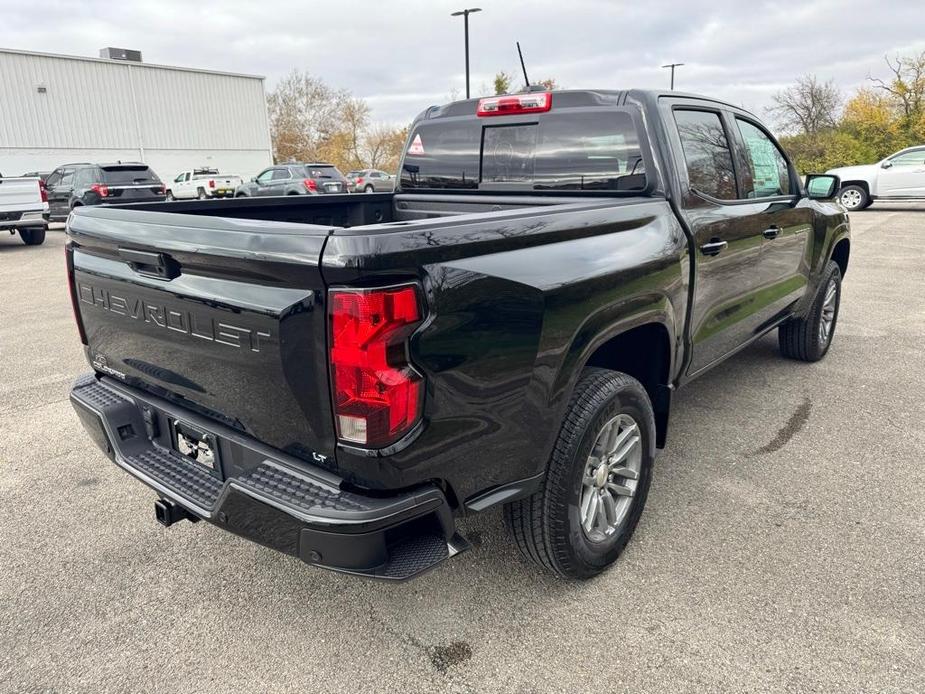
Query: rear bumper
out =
(263, 495)
(23, 220)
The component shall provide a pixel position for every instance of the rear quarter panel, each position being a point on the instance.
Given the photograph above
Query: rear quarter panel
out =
(517, 303)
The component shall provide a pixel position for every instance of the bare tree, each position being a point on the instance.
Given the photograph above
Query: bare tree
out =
(809, 106)
(907, 86)
(383, 145)
(305, 113)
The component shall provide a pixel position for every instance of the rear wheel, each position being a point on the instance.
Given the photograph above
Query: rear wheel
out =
(201, 195)
(597, 480)
(853, 198)
(369, 189)
(809, 338)
(32, 237)
(170, 197)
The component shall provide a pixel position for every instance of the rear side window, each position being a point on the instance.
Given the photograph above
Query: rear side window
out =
(589, 150)
(770, 174)
(128, 175)
(706, 153)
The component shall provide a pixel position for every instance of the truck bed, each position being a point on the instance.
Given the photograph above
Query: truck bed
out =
(351, 211)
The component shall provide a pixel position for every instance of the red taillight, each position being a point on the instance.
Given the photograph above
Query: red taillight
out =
(100, 189)
(211, 183)
(72, 287)
(377, 393)
(43, 190)
(359, 182)
(519, 103)
(310, 184)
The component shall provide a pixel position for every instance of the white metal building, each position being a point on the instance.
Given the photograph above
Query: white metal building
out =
(57, 109)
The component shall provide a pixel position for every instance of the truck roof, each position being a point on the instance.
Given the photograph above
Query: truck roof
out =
(581, 97)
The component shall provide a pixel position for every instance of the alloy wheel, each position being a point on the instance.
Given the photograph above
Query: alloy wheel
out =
(610, 478)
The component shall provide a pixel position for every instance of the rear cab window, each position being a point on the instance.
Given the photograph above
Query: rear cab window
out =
(582, 149)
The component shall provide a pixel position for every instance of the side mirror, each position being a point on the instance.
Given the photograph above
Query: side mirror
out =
(822, 186)
(887, 164)
(253, 179)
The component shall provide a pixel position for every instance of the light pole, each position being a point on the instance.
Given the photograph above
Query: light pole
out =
(673, 66)
(465, 15)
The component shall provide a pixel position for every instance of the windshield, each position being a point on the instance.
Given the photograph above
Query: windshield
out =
(581, 150)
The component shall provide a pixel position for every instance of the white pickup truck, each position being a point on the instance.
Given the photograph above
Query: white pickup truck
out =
(203, 184)
(24, 208)
(901, 176)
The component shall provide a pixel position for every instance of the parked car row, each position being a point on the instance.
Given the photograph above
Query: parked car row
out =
(83, 183)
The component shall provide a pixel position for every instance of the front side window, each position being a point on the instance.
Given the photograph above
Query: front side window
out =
(67, 177)
(914, 158)
(281, 174)
(706, 153)
(265, 176)
(770, 174)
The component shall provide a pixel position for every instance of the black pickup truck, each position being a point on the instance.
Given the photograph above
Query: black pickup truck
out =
(342, 377)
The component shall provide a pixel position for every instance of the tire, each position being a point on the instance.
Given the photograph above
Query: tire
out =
(170, 197)
(32, 237)
(369, 189)
(804, 338)
(201, 194)
(547, 526)
(854, 198)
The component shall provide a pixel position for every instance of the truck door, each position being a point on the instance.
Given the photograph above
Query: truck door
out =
(727, 242)
(776, 209)
(903, 176)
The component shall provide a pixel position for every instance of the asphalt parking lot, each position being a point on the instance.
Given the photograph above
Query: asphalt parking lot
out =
(783, 546)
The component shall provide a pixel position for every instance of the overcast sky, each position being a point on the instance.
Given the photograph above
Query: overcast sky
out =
(404, 55)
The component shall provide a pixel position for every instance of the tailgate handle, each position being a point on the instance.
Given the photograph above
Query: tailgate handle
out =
(158, 265)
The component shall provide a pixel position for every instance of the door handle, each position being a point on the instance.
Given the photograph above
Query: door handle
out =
(771, 232)
(713, 247)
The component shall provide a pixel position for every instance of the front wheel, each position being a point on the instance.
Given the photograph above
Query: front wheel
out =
(853, 198)
(809, 338)
(596, 482)
(369, 189)
(32, 237)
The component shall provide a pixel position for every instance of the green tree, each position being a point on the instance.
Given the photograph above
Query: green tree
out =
(502, 83)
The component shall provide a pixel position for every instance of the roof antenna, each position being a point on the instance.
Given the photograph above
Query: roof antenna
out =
(523, 67)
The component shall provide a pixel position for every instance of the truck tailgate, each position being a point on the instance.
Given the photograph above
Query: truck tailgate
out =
(19, 195)
(224, 316)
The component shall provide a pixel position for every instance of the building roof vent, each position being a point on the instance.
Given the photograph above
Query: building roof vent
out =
(121, 54)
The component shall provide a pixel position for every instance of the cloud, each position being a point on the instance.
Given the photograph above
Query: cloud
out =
(408, 54)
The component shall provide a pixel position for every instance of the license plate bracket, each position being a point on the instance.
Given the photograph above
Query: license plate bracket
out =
(198, 446)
